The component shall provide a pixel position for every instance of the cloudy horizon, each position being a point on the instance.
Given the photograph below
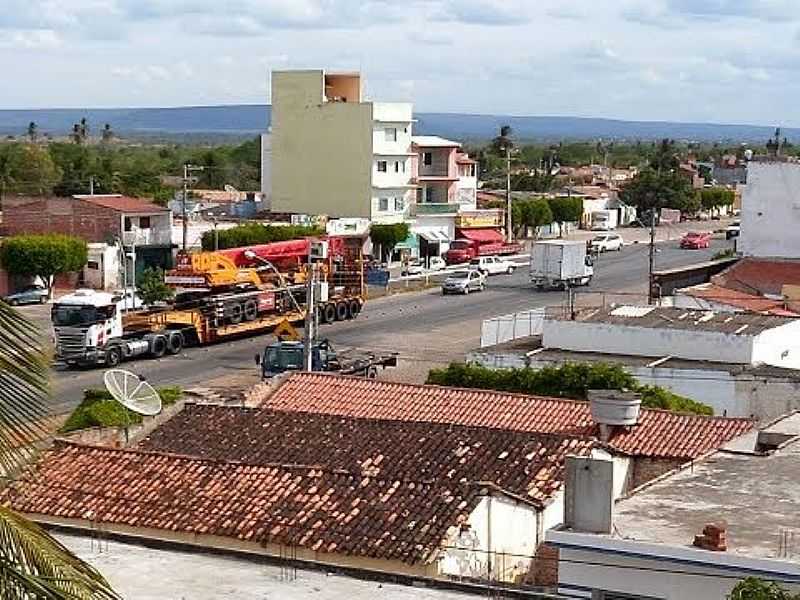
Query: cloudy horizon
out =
(722, 61)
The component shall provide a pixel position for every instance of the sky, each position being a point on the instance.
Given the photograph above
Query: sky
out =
(734, 61)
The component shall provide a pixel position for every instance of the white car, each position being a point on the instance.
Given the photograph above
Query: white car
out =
(492, 265)
(417, 266)
(606, 243)
(464, 282)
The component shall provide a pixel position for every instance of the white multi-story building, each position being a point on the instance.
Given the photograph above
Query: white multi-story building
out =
(771, 210)
(334, 153)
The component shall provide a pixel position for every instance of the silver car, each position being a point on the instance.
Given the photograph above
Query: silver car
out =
(33, 294)
(464, 282)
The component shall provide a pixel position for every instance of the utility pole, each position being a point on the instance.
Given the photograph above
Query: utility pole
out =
(91, 185)
(187, 168)
(650, 298)
(509, 232)
(308, 334)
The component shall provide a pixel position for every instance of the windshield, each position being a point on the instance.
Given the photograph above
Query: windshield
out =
(475, 261)
(599, 238)
(460, 275)
(459, 245)
(284, 359)
(65, 315)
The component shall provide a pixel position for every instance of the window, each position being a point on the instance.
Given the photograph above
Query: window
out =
(427, 158)
(428, 194)
(92, 264)
(399, 166)
(382, 166)
(391, 134)
(383, 204)
(128, 225)
(399, 204)
(144, 222)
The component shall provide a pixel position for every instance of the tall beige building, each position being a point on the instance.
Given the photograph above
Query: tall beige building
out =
(334, 153)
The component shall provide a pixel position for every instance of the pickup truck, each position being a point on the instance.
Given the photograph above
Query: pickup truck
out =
(464, 250)
(492, 265)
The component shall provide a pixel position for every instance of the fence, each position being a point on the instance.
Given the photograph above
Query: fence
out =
(511, 327)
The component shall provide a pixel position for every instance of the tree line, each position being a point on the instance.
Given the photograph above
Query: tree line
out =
(65, 169)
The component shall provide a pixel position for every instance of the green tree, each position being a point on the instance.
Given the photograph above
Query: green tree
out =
(29, 170)
(754, 588)
(565, 209)
(250, 234)
(32, 563)
(152, 288)
(386, 237)
(530, 213)
(712, 199)
(43, 255)
(33, 131)
(665, 157)
(651, 191)
(571, 380)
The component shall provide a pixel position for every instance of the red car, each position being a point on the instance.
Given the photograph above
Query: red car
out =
(695, 240)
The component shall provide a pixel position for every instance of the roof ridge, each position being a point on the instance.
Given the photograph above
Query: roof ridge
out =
(554, 399)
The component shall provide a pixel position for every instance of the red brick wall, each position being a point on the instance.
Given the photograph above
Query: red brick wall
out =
(60, 215)
(647, 469)
(545, 566)
(5, 284)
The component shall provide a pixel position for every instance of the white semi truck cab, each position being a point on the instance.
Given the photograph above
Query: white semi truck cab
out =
(89, 330)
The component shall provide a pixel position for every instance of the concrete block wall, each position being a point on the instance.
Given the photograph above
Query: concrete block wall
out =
(63, 215)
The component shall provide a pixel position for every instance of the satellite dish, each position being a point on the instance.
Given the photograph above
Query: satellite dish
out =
(133, 392)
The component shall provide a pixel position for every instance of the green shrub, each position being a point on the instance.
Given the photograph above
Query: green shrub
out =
(571, 380)
(250, 234)
(99, 409)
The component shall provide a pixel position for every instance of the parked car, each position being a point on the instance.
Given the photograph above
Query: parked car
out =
(695, 240)
(606, 243)
(129, 299)
(464, 282)
(417, 266)
(492, 265)
(33, 294)
(732, 230)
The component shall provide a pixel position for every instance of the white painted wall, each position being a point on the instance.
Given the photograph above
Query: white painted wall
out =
(582, 336)
(771, 211)
(672, 573)
(513, 531)
(107, 274)
(779, 347)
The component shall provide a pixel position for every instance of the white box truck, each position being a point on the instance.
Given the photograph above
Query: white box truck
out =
(560, 264)
(605, 220)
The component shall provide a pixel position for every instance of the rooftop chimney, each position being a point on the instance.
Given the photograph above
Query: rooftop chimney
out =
(588, 494)
(614, 408)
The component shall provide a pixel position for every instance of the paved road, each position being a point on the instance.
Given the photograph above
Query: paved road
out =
(425, 328)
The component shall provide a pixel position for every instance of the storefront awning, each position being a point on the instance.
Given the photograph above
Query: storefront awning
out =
(409, 243)
(434, 236)
(485, 236)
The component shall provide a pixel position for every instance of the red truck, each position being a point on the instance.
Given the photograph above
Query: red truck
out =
(471, 243)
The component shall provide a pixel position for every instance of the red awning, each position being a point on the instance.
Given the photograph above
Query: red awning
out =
(483, 236)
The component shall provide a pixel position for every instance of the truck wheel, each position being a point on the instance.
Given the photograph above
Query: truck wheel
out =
(158, 346)
(510, 270)
(341, 311)
(113, 356)
(175, 342)
(353, 309)
(372, 373)
(329, 313)
(250, 310)
(237, 313)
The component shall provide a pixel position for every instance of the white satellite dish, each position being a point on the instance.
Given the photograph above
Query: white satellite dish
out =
(133, 392)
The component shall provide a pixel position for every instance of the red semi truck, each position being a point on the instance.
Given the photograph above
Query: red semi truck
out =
(471, 243)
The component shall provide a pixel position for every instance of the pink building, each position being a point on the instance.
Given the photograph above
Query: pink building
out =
(443, 174)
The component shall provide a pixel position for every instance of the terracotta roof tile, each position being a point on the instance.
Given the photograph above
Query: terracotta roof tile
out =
(738, 299)
(124, 204)
(659, 434)
(759, 276)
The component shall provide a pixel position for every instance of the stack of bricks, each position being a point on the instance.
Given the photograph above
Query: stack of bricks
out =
(713, 538)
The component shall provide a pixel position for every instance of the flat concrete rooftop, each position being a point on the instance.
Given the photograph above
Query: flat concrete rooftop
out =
(757, 495)
(142, 573)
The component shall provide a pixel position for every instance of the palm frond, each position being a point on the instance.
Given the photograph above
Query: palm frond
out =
(23, 389)
(35, 565)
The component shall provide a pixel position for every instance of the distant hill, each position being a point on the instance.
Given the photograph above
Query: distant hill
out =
(247, 120)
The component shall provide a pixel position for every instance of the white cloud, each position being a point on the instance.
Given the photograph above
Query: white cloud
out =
(30, 39)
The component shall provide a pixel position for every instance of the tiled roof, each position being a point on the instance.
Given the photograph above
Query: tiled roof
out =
(123, 204)
(391, 490)
(529, 466)
(659, 434)
(307, 507)
(737, 299)
(759, 276)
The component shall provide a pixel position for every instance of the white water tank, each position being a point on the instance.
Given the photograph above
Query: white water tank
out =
(614, 407)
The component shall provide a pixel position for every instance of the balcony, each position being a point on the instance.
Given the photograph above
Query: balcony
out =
(435, 208)
(147, 237)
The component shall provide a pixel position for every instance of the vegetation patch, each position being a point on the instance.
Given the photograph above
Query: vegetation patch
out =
(99, 409)
(572, 380)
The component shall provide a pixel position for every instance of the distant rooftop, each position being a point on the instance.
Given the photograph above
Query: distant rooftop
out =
(433, 141)
(653, 317)
(124, 204)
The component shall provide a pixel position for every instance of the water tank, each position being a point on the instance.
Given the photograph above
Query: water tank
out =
(614, 407)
